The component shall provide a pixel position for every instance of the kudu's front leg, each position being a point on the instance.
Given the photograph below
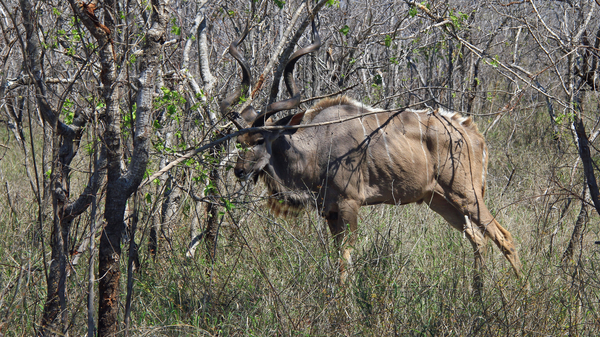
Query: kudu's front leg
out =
(343, 224)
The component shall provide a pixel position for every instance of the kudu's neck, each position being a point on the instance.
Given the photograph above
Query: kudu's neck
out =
(286, 174)
(287, 161)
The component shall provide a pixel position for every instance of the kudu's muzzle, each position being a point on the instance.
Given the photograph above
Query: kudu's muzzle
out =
(239, 172)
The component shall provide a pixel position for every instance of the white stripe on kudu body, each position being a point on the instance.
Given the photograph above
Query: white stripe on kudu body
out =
(387, 150)
(421, 142)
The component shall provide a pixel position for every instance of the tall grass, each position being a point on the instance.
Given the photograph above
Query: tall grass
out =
(412, 273)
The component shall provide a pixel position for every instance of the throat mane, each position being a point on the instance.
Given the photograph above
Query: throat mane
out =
(282, 200)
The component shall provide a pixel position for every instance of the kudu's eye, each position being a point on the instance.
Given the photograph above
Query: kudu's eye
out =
(260, 141)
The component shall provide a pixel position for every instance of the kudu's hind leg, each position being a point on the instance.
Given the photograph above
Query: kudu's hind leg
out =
(342, 221)
(477, 212)
(478, 240)
(501, 237)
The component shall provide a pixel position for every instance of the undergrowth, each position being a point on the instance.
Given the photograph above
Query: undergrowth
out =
(411, 273)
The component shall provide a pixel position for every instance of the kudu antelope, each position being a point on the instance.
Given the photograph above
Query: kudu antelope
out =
(372, 157)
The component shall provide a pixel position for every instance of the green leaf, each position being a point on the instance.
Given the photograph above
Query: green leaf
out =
(228, 204)
(458, 18)
(159, 146)
(387, 41)
(68, 112)
(89, 148)
(69, 117)
(494, 62)
(412, 11)
(210, 188)
(129, 119)
(148, 198)
(279, 3)
(345, 30)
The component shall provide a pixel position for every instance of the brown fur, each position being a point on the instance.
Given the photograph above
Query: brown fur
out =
(436, 157)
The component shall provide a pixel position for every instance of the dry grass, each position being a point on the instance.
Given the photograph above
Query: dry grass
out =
(411, 272)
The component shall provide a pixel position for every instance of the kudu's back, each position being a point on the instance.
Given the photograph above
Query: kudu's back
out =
(393, 157)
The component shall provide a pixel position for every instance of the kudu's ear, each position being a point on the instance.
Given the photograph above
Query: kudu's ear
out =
(249, 114)
(296, 119)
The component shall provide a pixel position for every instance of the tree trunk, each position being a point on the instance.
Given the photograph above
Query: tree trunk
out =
(586, 159)
(121, 185)
(212, 207)
(576, 242)
(65, 143)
